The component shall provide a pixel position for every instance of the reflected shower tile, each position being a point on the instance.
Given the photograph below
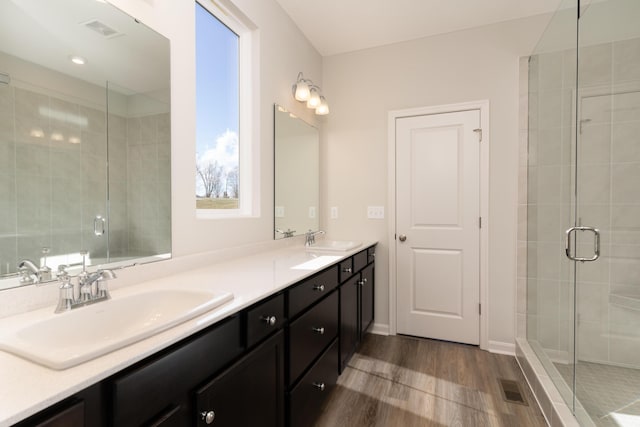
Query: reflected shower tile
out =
(626, 60)
(569, 71)
(550, 226)
(594, 215)
(66, 241)
(66, 164)
(549, 109)
(625, 147)
(66, 208)
(623, 323)
(624, 217)
(33, 203)
(164, 129)
(7, 157)
(32, 131)
(8, 205)
(595, 143)
(96, 120)
(596, 109)
(148, 129)
(64, 114)
(94, 144)
(597, 271)
(594, 63)
(550, 70)
(30, 104)
(624, 182)
(32, 160)
(30, 246)
(625, 271)
(626, 107)
(549, 146)
(548, 190)
(117, 127)
(133, 131)
(8, 254)
(594, 186)
(532, 259)
(549, 257)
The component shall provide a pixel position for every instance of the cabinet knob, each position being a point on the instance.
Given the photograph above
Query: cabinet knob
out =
(319, 288)
(318, 330)
(362, 282)
(269, 320)
(208, 416)
(319, 386)
(347, 270)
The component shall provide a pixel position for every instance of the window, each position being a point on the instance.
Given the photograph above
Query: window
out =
(224, 163)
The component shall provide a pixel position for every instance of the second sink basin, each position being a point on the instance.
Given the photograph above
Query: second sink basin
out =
(68, 339)
(334, 245)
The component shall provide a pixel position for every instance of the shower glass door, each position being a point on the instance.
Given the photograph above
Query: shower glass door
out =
(551, 198)
(607, 350)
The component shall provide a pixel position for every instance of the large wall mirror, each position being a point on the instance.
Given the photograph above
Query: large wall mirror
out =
(297, 182)
(85, 137)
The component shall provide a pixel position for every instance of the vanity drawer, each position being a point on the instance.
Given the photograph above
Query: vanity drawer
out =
(144, 391)
(371, 254)
(312, 289)
(360, 260)
(264, 319)
(311, 334)
(346, 269)
(306, 399)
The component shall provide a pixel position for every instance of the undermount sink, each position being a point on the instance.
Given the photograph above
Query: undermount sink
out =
(68, 339)
(334, 245)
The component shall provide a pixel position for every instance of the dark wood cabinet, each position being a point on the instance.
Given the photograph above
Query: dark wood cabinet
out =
(349, 315)
(356, 304)
(250, 393)
(271, 364)
(144, 393)
(367, 289)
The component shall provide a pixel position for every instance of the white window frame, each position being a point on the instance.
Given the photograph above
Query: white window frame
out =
(249, 114)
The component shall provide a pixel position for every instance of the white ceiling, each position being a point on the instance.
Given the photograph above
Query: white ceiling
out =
(338, 26)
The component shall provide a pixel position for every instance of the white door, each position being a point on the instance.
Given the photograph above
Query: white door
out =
(437, 226)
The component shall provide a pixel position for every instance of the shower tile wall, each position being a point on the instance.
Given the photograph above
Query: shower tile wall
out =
(52, 177)
(608, 291)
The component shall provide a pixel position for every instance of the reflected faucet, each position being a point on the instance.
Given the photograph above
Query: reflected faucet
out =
(288, 233)
(29, 273)
(310, 237)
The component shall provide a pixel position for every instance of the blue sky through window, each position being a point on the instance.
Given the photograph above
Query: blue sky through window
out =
(217, 95)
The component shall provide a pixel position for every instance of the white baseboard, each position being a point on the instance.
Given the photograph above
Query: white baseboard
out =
(499, 347)
(379, 329)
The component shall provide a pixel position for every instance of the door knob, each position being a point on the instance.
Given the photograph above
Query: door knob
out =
(402, 237)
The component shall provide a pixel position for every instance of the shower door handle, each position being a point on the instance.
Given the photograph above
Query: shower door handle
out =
(596, 244)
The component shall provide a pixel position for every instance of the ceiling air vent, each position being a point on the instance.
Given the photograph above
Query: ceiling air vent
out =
(101, 28)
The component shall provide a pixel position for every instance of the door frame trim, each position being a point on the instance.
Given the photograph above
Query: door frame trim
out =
(393, 115)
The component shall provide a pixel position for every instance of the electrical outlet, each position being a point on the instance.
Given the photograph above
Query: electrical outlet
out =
(312, 212)
(375, 212)
(279, 211)
(334, 212)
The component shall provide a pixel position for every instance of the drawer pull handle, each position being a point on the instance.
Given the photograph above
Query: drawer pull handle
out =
(347, 270)
(208, 416)
(269, 320)
(319, 386)
(320, 331)
(319, 288)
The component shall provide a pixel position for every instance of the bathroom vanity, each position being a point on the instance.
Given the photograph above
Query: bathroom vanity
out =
(271, 362)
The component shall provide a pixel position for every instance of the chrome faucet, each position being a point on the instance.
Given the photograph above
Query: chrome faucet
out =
(310, 237)
(87, 292)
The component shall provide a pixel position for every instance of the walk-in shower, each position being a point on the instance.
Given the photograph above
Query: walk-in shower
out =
(583, 209)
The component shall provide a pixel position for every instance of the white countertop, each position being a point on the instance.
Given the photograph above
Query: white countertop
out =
(26, 387)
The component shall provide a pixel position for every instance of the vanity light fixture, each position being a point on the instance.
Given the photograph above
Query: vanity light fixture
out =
(305, 91)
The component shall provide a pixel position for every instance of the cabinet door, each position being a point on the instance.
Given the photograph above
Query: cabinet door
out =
(366, 298)
(250, 393)
(349, 315)
(68, 415)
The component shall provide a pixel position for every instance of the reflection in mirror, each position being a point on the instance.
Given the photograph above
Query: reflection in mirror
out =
(84, 148)
(296, 175)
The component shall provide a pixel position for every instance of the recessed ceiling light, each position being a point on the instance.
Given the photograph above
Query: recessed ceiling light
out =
(78, 60)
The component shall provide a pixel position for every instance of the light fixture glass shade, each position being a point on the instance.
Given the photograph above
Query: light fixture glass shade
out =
(314, 98)
(323, 108)
(302, 91)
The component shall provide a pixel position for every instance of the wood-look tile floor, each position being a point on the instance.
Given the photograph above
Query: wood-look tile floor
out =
(405, 381)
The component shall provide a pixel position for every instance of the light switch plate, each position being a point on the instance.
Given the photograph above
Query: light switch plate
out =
(334, 212)
(375, 212)
(279, 211)
(312, 212)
